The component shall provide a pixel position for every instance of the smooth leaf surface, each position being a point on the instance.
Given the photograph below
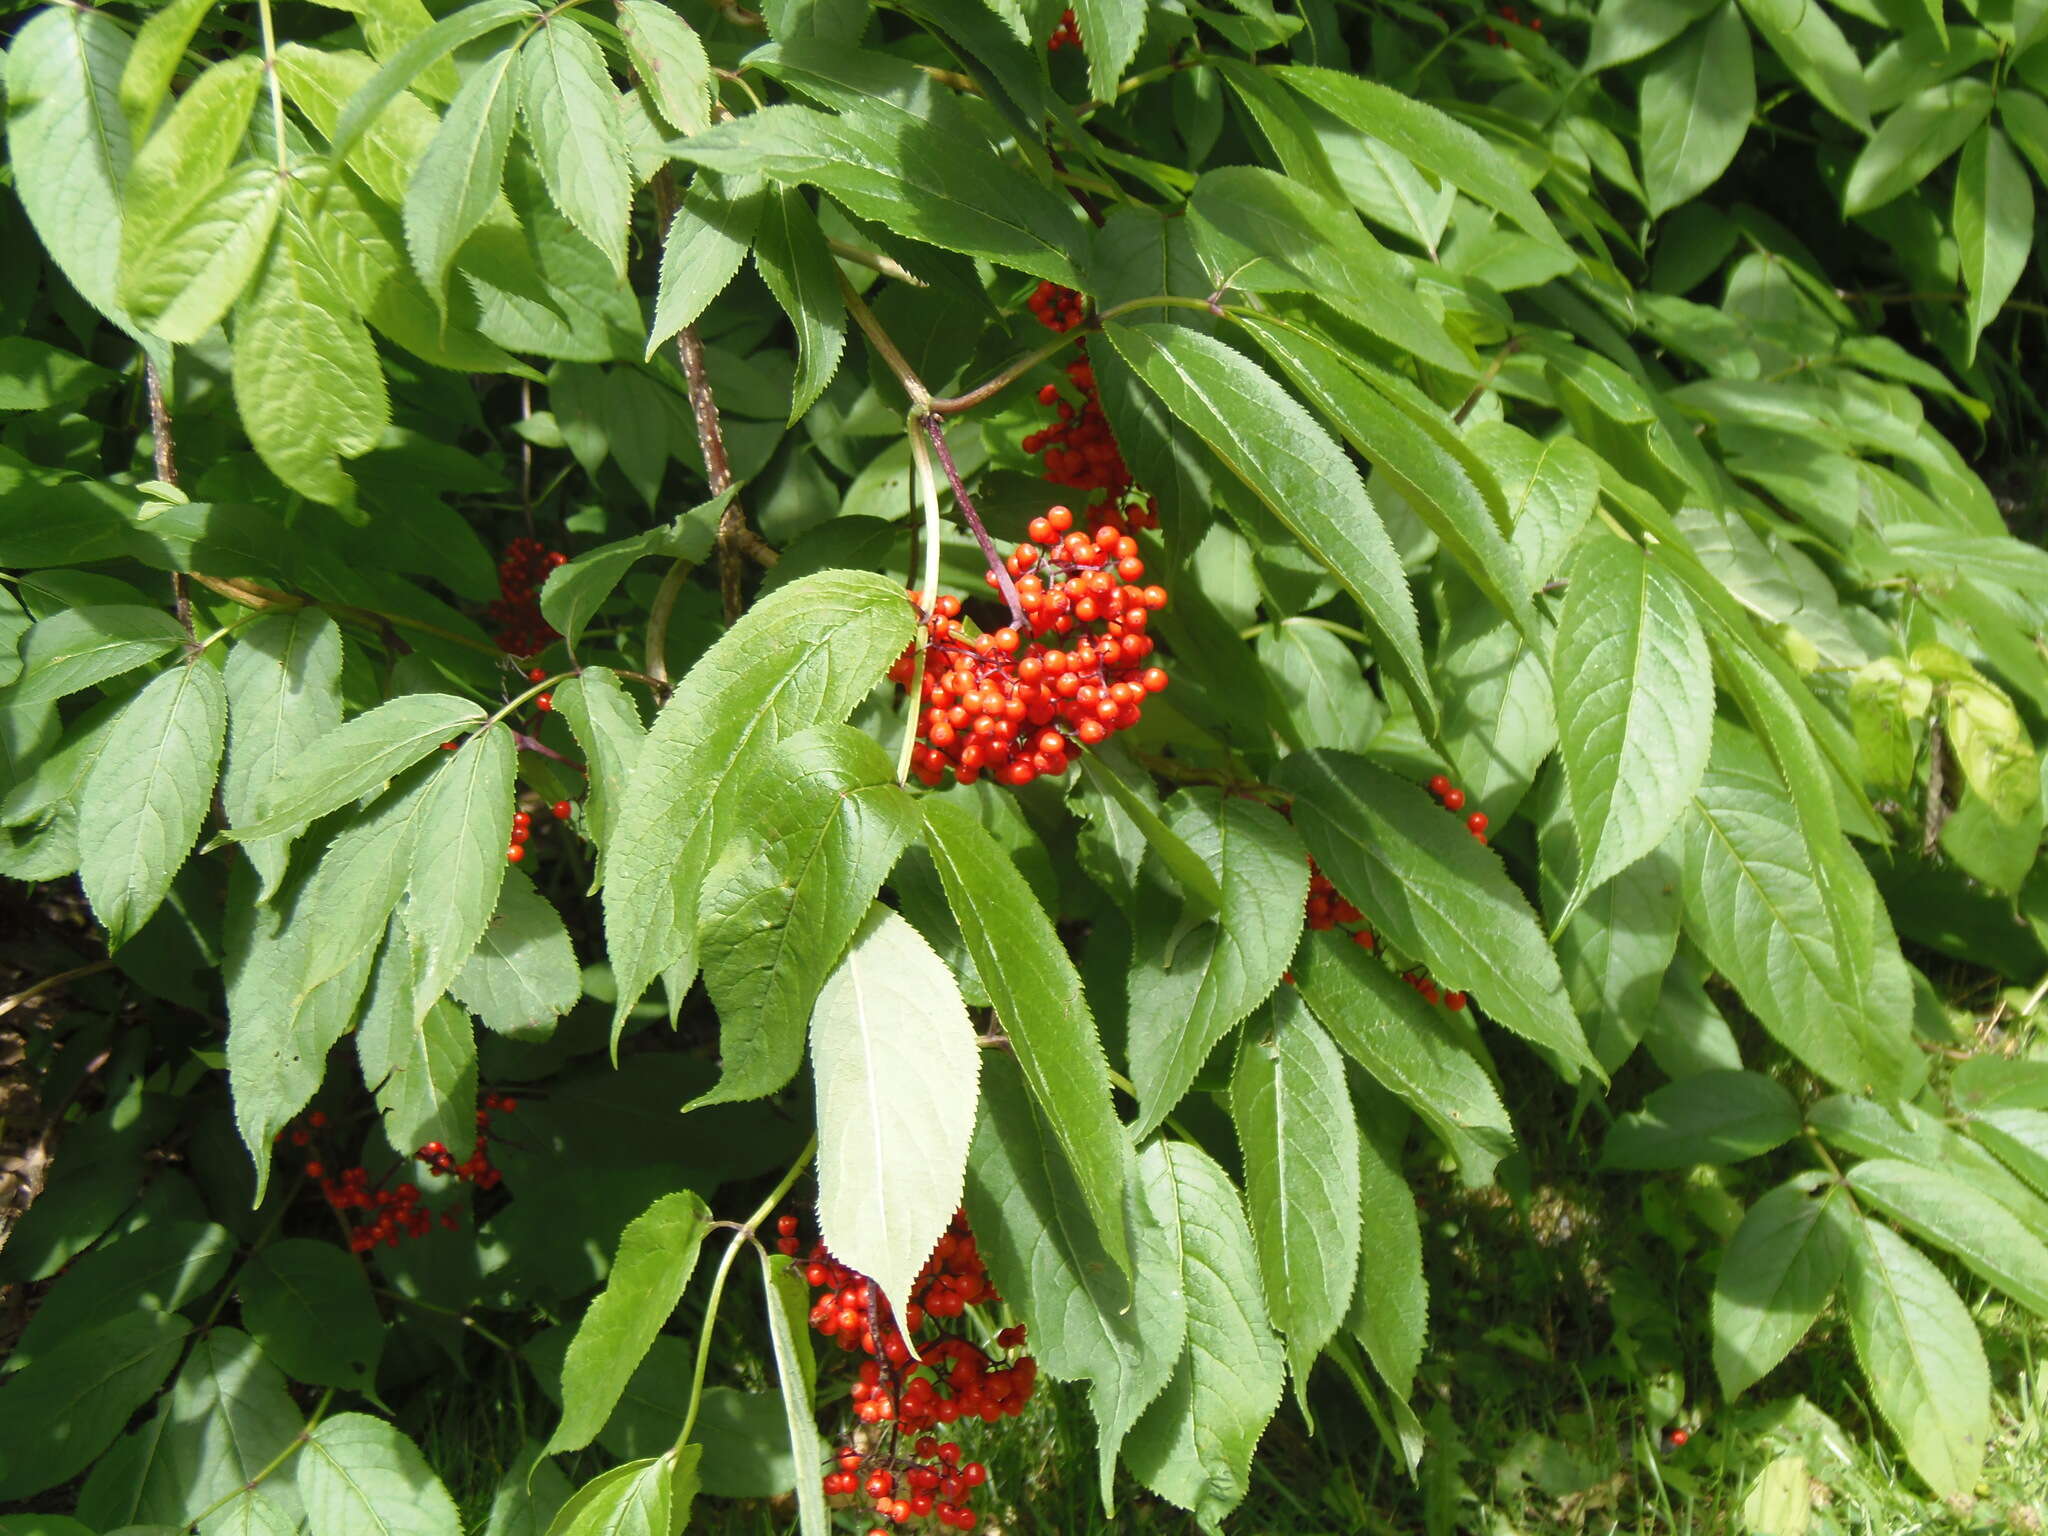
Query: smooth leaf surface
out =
(361, 1475)
(1781, 1266)
(59, 1413)
(141, 805)
(656, 1256)
(283, 677)
(1920, 1355)
(1635, 706)
(74, 649)
(571, 111)
(1916, 138)
(1994, 223)
(523, 974)
(1711, 1117)
(458, 860)
(1943, 1210)
(897, 1066)
(308, 1304)
(1696, 103)
(1300, 1142)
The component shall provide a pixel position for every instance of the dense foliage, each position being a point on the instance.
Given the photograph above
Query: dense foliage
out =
(1447, 598)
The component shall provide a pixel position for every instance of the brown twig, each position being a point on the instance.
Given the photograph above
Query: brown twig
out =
(166, 457)
(1935, 806)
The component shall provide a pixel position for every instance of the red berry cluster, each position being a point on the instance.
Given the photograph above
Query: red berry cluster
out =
(996, 704)
(521, 629)
(1066, 35)
(952, 1379)
(522, 829)
(377, 1213)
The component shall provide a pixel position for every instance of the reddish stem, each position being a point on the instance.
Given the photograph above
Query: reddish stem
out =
(935, 428)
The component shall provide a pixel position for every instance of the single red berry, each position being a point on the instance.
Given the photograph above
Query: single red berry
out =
(537, 675)
(1454, 799)
(786, 1225)
(514, 854)
(544, 703)
(1439, 785)
(1454, 1001)
(1476, 823)
(317, 1119)
(522, 818)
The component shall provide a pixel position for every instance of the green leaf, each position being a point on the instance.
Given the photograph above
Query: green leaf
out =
(657, 1255)
(59, 1413)
(670, 61)
(2025, 116)
(1809, 44)
(791, 255)
(283, 676)
(458, 180)
(1421, 466)
(523, 975)
(1295, 1127)
(79, 647)
(1107, 769)
(1989, 740)
(1628, 29)
(1188, 990)
(1710, 1117)
(1260, 232)
(68, 144)
(1319, 679)
(1780, 1268)
(225, 1418)
(642, 1498)
(418, 1060)
(936, 180)
(784, 900)
(1390, 1303)
(370, 101)
(464, 825)
(1942, 1209)
(308, 1304)
(1697, 100)
(1425, 885)
(1110, 33)
(607, 726)
(1408, 1048)
(163, 1267)
(1194, 1445)
(1916, 138)
(789, 1305)
(180, 165)
(805, 655)
(529, 1495)
(1761, 914)
(140, 807)
(1046, 1256)
(707, 241)
(1435, 141)
(1920, 1355)
(361, 1477)
(897, 1066)
(1500, 720)
(307, 381)
(571, 110)
(159, 48)
(2020, 1139)
(1038, 996)
(185, 282)
(1994, 224)
(1294, 468)
(1635, 706)
(357, 758)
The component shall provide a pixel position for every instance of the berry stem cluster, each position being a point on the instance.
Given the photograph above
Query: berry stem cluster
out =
(379, 1212)
(521, 573)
